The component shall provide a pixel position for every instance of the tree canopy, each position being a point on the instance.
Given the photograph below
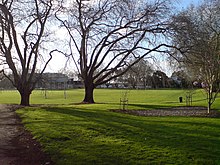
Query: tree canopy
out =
(197, 35)
(22, 33)
(108, 35)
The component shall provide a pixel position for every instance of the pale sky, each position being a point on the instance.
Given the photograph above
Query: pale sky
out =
(185, 3)
(163, 63)
(58, 61)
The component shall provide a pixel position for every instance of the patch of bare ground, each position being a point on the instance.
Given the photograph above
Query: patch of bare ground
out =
(176, 111)
(17, 146)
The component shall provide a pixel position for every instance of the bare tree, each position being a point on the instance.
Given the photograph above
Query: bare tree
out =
(106, 35)
(22, 33)
(138, 76)
(198, 37)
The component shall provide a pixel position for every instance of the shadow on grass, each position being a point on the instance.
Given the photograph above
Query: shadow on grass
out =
(99, 136)
(147, 106)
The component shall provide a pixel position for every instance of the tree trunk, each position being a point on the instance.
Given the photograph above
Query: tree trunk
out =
(209, 108)
(209, 105)
(89, 89)
(25, 98)
(209, 100)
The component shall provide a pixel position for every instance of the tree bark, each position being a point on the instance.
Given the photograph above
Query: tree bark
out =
(25, 97)
(209, 108)
(210, 91)
(89, 89)
(210, 97)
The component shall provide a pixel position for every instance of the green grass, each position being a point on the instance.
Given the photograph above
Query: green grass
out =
(140, 98)
(91, 134)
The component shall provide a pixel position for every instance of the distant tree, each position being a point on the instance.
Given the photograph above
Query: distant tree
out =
(182, 79)
(160, 80)
(108, 35)
(198, 38)
(1, 76)
(137, 74)
(22, 33)
(4, 82)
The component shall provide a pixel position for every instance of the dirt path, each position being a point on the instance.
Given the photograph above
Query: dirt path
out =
(17, 146)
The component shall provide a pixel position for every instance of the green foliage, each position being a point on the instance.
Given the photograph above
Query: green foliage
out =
(91, 134)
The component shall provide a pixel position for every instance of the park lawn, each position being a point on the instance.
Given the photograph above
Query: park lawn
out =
(91, 134)
(137, 99)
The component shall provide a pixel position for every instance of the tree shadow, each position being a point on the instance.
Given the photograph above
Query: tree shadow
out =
(190, 139)
(149, 106)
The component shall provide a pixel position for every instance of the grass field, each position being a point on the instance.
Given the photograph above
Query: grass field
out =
(140, 98)
(91, 134)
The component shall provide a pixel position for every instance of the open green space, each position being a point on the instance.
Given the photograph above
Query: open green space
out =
(137, 98)
(91, 134)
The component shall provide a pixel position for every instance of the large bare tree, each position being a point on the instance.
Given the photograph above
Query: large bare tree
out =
(107, 35)
(22, 33)
(198, 37)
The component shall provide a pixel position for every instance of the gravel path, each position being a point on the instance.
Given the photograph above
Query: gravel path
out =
(17, 146)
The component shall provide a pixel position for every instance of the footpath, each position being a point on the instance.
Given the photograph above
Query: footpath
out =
(17, 146)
